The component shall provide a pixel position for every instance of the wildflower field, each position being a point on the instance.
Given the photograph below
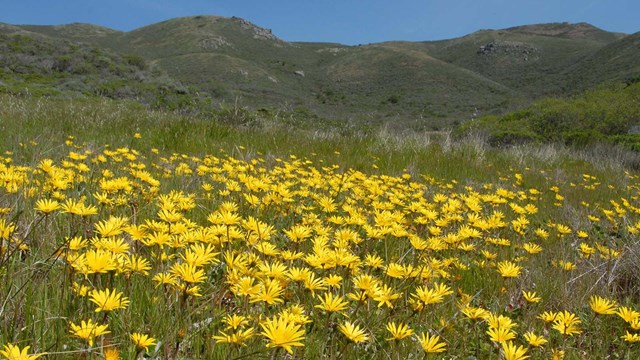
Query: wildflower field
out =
(126, 250)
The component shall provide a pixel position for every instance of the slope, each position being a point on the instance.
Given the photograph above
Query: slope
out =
(618, 61)
(42, 65)
(530, 58)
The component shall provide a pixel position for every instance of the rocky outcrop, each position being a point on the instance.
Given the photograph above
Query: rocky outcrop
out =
(214, 42)
(258, 32)
(515, 49)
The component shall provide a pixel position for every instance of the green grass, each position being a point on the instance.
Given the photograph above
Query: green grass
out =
(607, 114)
(36, 288)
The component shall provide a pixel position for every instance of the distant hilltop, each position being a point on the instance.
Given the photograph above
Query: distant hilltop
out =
(232, 60)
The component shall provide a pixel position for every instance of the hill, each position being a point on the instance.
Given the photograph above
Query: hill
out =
(32, 63)
(617, 61)
(416, 84)
(532, 59)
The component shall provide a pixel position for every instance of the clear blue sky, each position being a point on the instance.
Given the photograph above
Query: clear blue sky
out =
(343, 21)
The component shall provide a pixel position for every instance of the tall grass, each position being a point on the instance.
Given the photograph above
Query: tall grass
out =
(384, 186)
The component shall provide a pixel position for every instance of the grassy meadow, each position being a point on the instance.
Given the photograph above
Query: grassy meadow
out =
(131, 234)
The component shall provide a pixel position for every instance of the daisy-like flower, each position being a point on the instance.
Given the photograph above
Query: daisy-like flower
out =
(142, 341)
(602, 306)
(234, 321)
(631, 338)
(547, 316)
(398, 332)
(188, 273)
(269, 292)
(531, 296)
(476, 313)
(47, 206)
(334, 281)
(111, 353)
(557, 354)
(627, 314)
(108, 300)
(13, 352)
(514, 352)
(237, 338)
(353, 332)
(431, 343)
(501, 334)
(88, 330)
(282, 333)
(567, 323)
(534, 340)
(509, 269)
(500, 321)
(532, 248)
(332, 303)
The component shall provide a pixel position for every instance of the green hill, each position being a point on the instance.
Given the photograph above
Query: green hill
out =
(32, 63)
(416, 84)
(532, 59)
(617, 61)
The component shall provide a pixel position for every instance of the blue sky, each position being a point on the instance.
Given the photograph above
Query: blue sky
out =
(344, 21)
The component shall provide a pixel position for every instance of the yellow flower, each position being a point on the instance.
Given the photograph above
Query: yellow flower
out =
(169, 216)
(136, 264)
(234, 321)
(509, 269)
(602, 306)
(108, 300)
(332, 303)
(47, 206)
(199, 255)
(81, 290)
(353, 332)
(541, 233)
(13, 352)
(269, 292)
(567, 323)
(535, 340)
(88, 330)
(432, 296)
(586, 251)
(547, 316)
(557, 354)
(431, 344)
(531, 296)
(532, 248)
(114, 226)
(500, 321)
(398, 332)
(142, 341)
(313, 284)
(501, 334)
(282, 333)
(245, 287)
(111, 353)
(514, 352)
(238, 338)
(188, 273)
(628, 337)
(96, 261)
(334, 281)
(6, 229)
(563, 229)
(627, 314)
(385, 295)
(475, 313)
